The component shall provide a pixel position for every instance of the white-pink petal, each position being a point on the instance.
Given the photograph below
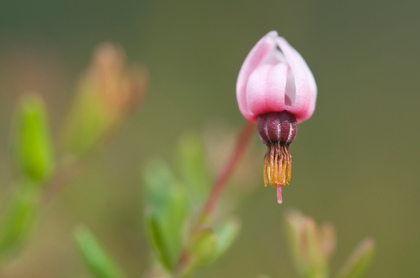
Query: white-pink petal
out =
(254, 58)
(274, 81)
(266, 87)
(303, 105)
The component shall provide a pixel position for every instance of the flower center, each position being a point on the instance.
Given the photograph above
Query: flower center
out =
(277, 127)
(277, 130)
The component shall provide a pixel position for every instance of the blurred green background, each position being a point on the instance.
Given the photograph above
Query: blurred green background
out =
(355, 161)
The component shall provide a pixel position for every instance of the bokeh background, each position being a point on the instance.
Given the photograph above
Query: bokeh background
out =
(355, 161)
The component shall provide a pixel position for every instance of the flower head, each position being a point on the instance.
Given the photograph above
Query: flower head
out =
(276, 89)
(275, 78)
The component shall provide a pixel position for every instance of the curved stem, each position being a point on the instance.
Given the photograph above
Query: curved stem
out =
(227, 171)
(181, 269)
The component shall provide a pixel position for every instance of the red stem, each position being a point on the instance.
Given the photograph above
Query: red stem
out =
(217, 189)
(223, 177)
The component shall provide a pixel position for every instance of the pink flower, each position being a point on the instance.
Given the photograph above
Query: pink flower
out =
(275, 78)
(276, 89)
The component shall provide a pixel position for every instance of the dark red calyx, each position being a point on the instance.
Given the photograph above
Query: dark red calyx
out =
(277, 127)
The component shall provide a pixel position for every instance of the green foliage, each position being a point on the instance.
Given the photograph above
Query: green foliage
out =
(94, 256)
(307, 246)
(191, 161)
(207, 245)
(88, 121)
(18, 218)
(312, 246)
(32, 140)
(171, 205)
(33, 153)
(203, 247)
(360, 260)
(107, 93)
(167, 210)
(226, 234)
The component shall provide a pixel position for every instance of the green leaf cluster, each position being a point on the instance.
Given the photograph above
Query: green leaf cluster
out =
(33, 154)
(100, 264)
(18, 219)
(167, 208)
(32, 140)
(88, 121)
(312, 246)
(172, 205)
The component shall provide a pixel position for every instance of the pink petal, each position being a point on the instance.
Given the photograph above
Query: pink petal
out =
(265, 91)
(303, 104)
(254, 58)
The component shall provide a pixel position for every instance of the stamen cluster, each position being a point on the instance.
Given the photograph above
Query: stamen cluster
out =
(277, 130)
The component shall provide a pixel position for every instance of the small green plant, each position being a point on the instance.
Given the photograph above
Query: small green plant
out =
(34, 161)
(106, 95)
(312, 246)
(180, 201)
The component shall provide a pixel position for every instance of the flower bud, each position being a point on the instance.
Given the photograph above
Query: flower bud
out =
(276, 89)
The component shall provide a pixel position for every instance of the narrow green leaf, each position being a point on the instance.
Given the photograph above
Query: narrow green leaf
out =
(167, 211)
(156, 270)
(307, 245)
(87, 122)
(154, 233)
(32, 139)
(294, 223)
(226, 234)
(18, 219)
(318, 264)
(95, 257)
(203, 247)
(360, 260)
(191, 159)
(207, 245)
